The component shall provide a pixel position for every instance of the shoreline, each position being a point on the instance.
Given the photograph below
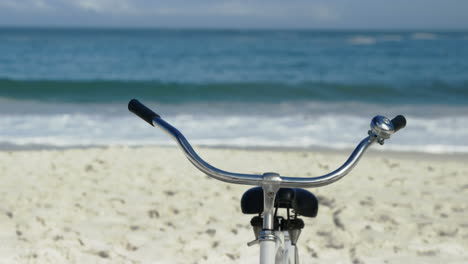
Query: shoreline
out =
(375, 151)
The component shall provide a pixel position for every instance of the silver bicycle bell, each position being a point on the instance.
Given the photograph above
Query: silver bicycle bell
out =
(381, 127)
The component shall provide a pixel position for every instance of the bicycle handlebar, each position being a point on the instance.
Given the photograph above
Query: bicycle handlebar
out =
(142, 111)
(398, 122)
(381, 128)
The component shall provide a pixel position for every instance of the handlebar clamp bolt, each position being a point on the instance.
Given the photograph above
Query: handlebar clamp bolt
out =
(381, 141)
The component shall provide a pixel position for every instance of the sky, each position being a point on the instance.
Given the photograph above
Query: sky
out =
(309, 14)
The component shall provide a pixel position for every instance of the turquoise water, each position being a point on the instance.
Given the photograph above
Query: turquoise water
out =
(68, 87)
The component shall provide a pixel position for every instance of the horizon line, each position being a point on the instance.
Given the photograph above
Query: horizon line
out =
(189, 28)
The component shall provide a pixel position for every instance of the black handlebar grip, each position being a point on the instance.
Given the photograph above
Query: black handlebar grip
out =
(142, 111)
(399, 122)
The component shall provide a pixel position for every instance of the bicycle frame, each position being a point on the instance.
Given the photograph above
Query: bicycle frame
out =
(275, 245)
(279, 250)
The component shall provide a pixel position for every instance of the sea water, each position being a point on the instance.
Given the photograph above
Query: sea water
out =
(241, 88)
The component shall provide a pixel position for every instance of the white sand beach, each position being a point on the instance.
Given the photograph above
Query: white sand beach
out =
(150, 205)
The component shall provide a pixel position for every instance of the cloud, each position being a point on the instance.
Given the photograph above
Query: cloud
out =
(314, 11)
(238, 13)
(109, 6)
(25, 5)
(242, 8)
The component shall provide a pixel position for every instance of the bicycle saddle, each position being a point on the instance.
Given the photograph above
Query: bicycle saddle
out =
(301, 201)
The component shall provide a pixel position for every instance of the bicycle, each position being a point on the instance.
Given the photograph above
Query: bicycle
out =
(277, 235)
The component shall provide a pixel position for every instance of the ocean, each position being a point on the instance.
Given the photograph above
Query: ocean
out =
(238, 88)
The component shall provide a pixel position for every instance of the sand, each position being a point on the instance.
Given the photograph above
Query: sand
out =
(150, 205)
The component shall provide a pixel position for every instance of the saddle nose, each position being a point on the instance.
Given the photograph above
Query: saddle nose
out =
(301, 201)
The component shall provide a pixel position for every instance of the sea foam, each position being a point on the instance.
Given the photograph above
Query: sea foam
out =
(328, 130)
(362, 40)
(423, 36)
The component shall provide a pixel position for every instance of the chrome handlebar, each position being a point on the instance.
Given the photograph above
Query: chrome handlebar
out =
(192, 156)
(381, 129)
(259, 180)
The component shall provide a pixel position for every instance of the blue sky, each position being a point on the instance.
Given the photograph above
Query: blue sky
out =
(345, 14)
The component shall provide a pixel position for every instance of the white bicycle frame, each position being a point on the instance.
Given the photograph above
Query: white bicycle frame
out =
(275, 245)
(278, 251)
